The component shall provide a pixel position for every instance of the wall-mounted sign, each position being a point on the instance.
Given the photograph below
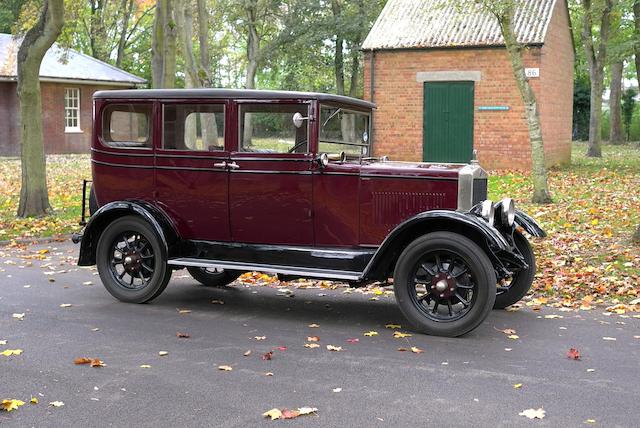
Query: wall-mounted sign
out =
(532, 72)
(494, 108)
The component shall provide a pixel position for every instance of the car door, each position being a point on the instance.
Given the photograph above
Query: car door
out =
(271, 186)
(192, 181)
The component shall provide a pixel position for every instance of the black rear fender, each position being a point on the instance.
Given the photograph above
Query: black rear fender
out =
(106, 214)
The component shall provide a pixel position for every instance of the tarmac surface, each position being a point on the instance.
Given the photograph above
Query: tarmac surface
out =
(467, 381)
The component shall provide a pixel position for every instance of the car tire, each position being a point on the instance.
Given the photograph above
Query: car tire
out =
(213, 279)
(132, 261)
(450, 268)
(523, 280)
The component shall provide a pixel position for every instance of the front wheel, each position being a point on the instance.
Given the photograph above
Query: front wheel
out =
(213, 277)
(131, 261)
(444, 284)
(520, 283)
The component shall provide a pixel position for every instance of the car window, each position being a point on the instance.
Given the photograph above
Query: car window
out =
(126, 126)
(269, 128)
(196, 127)
(343, 130)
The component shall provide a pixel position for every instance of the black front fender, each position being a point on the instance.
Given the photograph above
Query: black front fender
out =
(164, 229)
(529, 225)
(486, 236)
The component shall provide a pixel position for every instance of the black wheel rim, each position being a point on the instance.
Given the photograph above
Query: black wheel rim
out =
(443, 286)
(132, 261)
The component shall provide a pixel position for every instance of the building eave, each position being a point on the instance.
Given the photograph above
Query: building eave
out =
(78, 81)
(441, 48)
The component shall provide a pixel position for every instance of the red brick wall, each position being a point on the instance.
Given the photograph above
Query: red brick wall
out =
(8, 119)
(56, 140)
(556, 99)
(500, 137)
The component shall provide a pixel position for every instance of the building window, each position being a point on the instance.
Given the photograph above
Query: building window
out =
(72, 110)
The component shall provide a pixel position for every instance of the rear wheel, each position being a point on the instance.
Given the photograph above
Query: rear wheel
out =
(131, 261)
(213, 277)
(444, 284)
(519, 285)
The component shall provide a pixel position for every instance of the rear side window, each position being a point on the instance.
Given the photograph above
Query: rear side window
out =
(126, 126)
(193, 127)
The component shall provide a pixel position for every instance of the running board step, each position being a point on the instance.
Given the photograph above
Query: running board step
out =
(286, 270)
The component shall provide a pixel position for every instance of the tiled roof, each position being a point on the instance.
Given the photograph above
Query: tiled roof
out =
(59, 63)
(452, 23)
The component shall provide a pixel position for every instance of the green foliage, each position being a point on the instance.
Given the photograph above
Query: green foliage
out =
(581, 106)
(9, 14)
(628, 106)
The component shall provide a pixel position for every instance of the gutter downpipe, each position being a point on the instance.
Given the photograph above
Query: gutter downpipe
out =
(372, 64)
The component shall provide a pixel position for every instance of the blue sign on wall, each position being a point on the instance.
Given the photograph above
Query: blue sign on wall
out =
(494, 108)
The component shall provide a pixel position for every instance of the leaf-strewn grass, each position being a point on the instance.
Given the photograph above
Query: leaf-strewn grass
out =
(64, 177)
(597, 208)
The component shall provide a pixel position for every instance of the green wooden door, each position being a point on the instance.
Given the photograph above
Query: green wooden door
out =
(448, 122)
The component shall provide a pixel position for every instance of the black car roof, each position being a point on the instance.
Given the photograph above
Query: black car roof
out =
(229, 94)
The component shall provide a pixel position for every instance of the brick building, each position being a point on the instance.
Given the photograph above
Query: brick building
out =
(443, 82)
(68, 80)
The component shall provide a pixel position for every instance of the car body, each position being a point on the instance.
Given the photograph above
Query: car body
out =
(230, 181)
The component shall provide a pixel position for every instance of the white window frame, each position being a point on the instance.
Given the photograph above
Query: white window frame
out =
(72, 94)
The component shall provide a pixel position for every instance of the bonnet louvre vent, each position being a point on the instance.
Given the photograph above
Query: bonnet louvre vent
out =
(392, 207)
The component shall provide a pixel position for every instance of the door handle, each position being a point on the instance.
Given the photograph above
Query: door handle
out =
(233, 165)
(220, 165)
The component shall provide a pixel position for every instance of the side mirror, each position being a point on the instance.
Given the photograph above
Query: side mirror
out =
(323, 160)
(298, 119)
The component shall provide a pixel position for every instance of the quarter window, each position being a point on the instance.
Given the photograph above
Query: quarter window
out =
(195, 127)
(127, 126)
(269, 128)
(72, 110)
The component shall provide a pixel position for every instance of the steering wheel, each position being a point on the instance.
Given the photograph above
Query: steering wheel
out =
(293, 149)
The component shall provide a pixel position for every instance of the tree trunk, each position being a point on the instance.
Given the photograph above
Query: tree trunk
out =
(615, 103)
(195, 76)
(157, 46)
(253, 52)
(596, 57)
(539, 170)
(203, 38)
(97, 32)
(127, 8)
(170, 34)
(595, 115)
(338, 61)
(34, 198)
(636, 46)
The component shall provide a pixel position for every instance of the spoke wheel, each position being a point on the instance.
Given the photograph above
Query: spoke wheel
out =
(443, 287)
(131, 260)
(213, 277)
(444, 284)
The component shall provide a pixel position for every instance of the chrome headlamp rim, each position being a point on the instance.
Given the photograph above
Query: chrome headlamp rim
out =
(488, 211)
(508, 212)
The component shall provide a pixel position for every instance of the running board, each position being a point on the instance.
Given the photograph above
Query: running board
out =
(286, 270)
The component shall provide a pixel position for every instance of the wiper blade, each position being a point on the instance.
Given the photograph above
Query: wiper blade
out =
(331, 117)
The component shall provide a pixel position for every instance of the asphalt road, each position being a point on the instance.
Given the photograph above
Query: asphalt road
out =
(467, 381)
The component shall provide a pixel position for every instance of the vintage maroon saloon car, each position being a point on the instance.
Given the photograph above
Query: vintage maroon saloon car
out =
(228, 181)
